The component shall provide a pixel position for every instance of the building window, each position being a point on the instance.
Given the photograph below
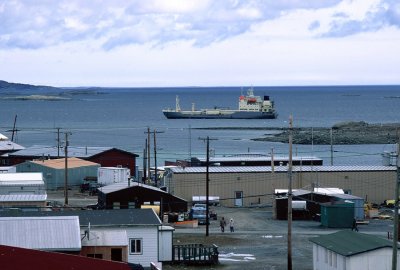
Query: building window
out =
(135, 246)
(96, 255)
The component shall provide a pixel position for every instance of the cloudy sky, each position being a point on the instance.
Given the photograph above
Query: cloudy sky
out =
(200, 42)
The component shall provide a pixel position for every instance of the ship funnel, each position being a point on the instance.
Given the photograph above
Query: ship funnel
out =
(266, 97)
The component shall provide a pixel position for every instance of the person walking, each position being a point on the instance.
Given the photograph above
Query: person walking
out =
(231, 225)
(222, 224)
(354, 227)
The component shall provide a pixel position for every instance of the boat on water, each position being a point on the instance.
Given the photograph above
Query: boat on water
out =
(250, 107)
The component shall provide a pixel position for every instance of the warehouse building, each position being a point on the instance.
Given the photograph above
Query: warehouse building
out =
(22, 190)
(246, 186)
(53, 171)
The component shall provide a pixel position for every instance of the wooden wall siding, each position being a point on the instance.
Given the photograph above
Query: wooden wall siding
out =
(105, 251)
(373, 186)
(114, 158)
(149, 238)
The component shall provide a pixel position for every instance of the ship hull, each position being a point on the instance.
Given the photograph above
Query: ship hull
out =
(222, 115)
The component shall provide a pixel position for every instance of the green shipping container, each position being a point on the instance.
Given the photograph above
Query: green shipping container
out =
(337, 215)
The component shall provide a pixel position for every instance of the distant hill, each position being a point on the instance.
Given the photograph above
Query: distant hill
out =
(13, 88)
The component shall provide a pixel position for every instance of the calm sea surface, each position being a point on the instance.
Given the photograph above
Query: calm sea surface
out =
(120, 118)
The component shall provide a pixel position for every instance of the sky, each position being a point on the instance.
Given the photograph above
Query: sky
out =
(157, 43)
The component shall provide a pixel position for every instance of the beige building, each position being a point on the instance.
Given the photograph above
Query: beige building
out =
(246, 186)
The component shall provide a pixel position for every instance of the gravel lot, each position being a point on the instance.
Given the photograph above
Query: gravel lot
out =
(260, 242)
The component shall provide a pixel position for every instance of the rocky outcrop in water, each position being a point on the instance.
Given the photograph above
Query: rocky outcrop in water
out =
(342, 133)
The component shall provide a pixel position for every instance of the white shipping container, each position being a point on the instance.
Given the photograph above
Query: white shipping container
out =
(111, 175)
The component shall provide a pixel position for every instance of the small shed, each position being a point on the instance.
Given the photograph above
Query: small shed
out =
(133, 195)
(337, 215)
(348, 250)
(54, 171)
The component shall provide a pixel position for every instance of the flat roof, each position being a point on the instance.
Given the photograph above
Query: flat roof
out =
(258, 158)
(263, 169)
(35, 178)
(59, 163)
(23, 198)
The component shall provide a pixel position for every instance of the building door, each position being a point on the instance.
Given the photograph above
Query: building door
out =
(116, 254)
(238, 198)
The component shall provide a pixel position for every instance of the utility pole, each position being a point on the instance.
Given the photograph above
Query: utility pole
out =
(331, 147)
(207, 184)
(190, 142)
(289, 253)
(272, 160)
(145, 162)
(66, 169)
(396, 211)
(148, 153)
(155, 157)
(58, 142)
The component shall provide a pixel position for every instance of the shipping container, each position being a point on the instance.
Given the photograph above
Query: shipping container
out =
(111, 175)
(337, 215)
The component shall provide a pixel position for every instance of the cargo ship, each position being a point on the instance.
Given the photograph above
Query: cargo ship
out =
(250, 107)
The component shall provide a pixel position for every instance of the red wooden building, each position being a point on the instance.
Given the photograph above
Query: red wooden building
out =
(105, 156)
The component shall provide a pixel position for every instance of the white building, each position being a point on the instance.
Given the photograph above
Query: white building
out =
(22, 190)
(349, 250)
(135, 236)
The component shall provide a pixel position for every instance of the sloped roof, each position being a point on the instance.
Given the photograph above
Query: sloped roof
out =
(73, 151)
(348, 243)
(123, 185)
(22, 258)
(45, 233)
(9, 146)
(59, 163)
(115, 217)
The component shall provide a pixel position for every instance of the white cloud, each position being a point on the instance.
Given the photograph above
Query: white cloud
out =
(182, 42)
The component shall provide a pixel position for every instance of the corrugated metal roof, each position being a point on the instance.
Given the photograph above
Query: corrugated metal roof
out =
(257, 158)
(9, 146)
(262, 169)
(124, 185)
(73, 151)
(59, 163)
(23, 198)
(45, 233)
(8, 179)
(115, 217)
(104, 238)
(348, 243)
(43, 150)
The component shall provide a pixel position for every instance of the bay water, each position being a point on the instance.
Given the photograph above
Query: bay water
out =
(121, 117)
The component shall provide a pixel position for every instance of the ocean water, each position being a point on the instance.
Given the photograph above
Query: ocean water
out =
(121, 117)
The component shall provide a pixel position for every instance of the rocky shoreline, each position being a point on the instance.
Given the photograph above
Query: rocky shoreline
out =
(342, 134)
(349, 133)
